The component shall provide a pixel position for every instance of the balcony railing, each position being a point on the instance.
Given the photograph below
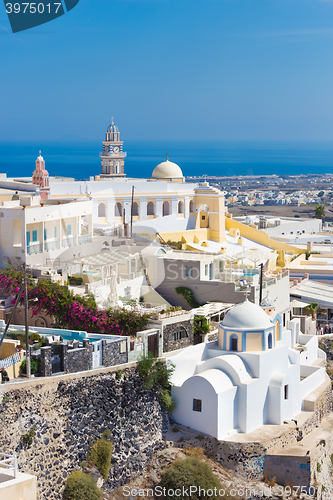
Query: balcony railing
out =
(34, 248)
(51, 245)
(9, 462)
(84, 238)
(68, 241)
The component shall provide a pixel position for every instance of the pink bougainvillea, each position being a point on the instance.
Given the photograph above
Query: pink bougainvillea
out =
(72, 311)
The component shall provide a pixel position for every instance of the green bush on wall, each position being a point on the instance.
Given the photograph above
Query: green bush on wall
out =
(100, 455)
(190, 472)
(188, 296)
(81, 486)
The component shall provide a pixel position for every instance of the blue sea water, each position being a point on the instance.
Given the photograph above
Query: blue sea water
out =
(81, 159)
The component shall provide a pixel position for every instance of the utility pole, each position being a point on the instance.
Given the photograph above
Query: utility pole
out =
(132, 211)
(261, 278)
(27, 351)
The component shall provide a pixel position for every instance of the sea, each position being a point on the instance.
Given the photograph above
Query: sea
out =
(212, 158)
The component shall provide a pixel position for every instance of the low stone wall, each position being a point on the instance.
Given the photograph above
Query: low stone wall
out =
(70, 416)
(114, 353)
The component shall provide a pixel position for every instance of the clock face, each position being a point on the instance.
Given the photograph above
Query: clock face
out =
(116, 149)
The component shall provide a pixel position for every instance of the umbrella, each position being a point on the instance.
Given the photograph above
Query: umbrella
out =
(256, 255)
(113, 296)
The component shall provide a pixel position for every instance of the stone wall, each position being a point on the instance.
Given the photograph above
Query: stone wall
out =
(76, 360)
(69, 416)
(114, 352)
(169, 331)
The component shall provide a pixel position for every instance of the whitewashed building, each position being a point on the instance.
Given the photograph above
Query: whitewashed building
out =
(254, 374)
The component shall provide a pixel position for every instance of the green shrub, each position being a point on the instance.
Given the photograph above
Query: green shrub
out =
(191, 472)
(100, 455)
(188, 296)
(155, 372)
(200, 325)
(28, 437)
(318, 467)
(34, 366)
(167, 402)
(81, 486)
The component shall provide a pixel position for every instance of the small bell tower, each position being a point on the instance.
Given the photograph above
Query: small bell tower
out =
(113, 155)
(40, 178)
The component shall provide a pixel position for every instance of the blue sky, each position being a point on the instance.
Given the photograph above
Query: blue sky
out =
(171, 69)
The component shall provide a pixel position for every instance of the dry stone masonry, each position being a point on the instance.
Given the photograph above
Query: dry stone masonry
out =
(63, 419)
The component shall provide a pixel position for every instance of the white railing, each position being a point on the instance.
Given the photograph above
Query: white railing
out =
(9, 462)
(68, 241)
(84, 238)
(11, 360)
(34, 248)
(51, 245)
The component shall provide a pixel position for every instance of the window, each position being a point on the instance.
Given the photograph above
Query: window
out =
(45, 234)
(270, 341)
(69, 229)
(220, 266)
(234, 344)
(206, 270)
(55, 232)
(286, 392)
(188, 271)
(34, 235)
(203, 217)
(197, 404)
(291, 232)
(28, 238)
(178, 334)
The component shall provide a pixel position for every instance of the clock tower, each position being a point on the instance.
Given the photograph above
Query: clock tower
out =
(113, 154)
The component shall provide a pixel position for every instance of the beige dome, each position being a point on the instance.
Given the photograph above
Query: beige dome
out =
(167, 170)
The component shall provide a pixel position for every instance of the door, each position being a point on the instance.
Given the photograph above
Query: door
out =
(56, 363)
(28, 238)
(97, 355)
(210, 271)
(153, 344)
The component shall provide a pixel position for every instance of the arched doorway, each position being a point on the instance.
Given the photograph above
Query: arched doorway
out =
(118, 210)
(151, 208)
(135, 209)
(101, 210)
(180, 207)
(166, 208)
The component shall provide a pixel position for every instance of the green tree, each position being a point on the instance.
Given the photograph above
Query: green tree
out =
(191, 472)
(312, 309)
(81, 486)
(320, 212)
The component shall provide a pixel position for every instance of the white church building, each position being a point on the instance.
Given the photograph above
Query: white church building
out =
(256, 373)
